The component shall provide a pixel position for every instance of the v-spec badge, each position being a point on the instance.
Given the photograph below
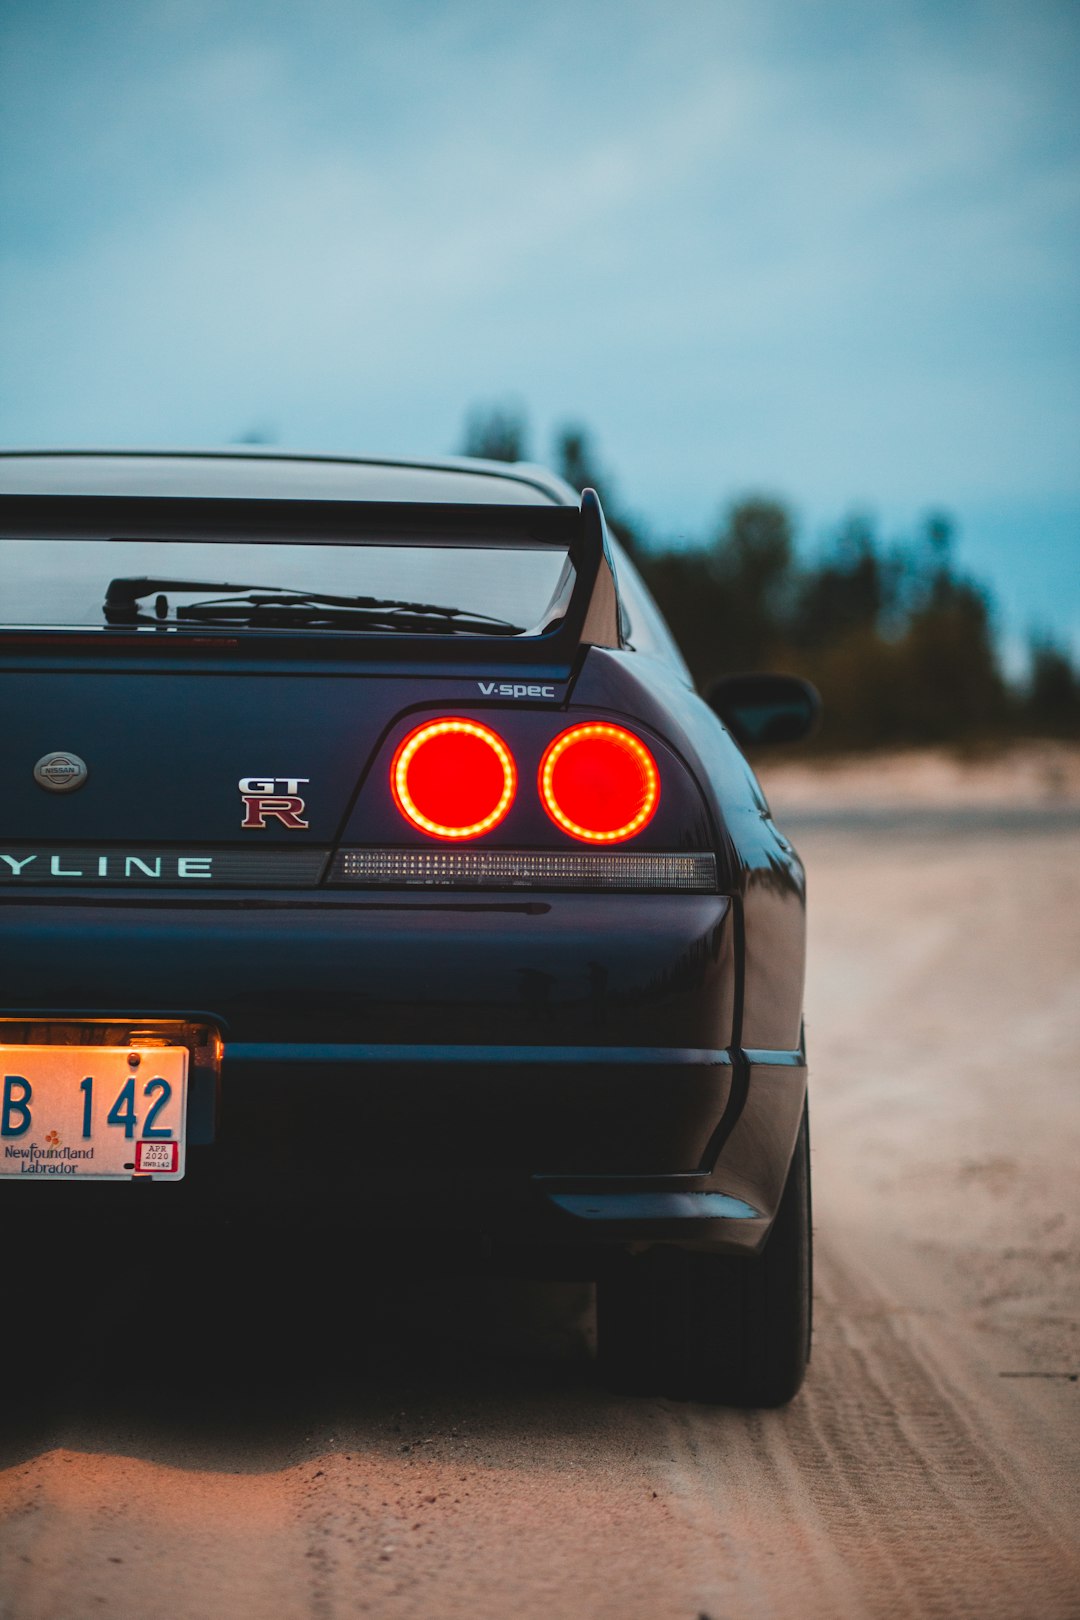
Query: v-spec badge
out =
(515, 689)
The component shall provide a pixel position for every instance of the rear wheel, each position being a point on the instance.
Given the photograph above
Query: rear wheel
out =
(719, 1328)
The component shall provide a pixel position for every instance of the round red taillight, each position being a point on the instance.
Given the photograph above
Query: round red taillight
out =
(599, 783)
(453, 778)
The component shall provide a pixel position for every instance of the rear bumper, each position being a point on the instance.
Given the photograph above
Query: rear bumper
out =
(488, 1148)
(448, 969)
(555, 1070)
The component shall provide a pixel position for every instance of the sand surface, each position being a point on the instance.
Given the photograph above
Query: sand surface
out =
(441, 1449)
(1037, 775)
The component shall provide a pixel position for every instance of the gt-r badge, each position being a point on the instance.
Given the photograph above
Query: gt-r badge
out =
(60, 772)
(263, 799)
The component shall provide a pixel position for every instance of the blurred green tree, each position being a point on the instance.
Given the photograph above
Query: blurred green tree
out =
(901, 647)
(851, 590)
(576, 461)
(495, 433)
(729, 604)
(1051, 703)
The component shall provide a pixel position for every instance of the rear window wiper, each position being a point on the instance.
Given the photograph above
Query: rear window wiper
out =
(281, 607)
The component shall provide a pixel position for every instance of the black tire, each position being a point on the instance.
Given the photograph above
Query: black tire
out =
(725, 1329)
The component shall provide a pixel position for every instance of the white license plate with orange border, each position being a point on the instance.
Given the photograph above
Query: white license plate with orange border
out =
(93, 1113)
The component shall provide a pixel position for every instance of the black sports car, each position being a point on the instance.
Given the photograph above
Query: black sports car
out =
(367, 857)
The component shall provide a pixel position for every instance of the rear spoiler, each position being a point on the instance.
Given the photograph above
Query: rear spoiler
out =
(585, 611)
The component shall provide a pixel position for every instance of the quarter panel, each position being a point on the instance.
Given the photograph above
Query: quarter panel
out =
(757, 864)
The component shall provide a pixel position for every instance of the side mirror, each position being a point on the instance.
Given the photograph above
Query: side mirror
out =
(760, 710)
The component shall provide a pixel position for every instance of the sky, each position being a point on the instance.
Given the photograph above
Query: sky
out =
(825, 251)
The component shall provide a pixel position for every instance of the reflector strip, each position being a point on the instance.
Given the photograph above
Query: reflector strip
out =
(524, 869)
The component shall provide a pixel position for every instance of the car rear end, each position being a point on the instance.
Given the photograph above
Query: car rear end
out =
(427, 931)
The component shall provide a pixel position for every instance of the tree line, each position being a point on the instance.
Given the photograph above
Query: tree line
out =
(900, 643)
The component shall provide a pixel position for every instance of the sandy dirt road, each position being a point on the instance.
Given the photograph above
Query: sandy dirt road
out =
(453, 1456)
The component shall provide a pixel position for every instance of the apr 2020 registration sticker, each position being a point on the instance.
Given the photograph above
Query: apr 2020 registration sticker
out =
(93, 1113)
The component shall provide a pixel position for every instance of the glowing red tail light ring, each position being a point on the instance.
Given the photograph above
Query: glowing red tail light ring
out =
(600, 731)
(406, 755)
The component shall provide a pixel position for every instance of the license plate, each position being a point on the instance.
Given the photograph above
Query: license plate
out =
(93, 1113)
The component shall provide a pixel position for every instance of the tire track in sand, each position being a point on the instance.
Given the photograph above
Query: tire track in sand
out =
(892, 1486)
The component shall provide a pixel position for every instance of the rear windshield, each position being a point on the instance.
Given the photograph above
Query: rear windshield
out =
(64, 583)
